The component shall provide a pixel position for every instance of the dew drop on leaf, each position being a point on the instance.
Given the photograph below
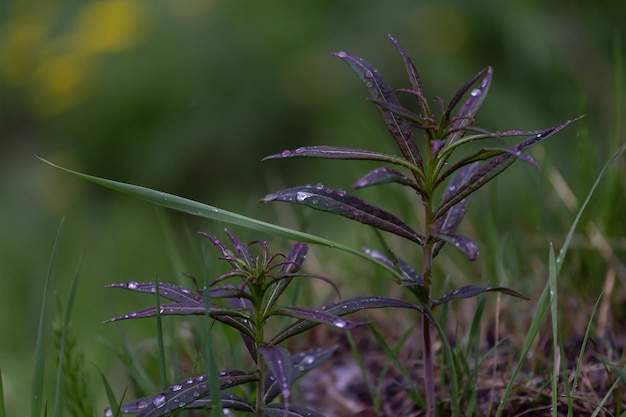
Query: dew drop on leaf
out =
(302, 196)
(341, 192)
(285, 154)
(159, 401)
(475, 92)
(340, 323)
(132, 285)
(319, 186)
(300, 150)
(177, 387)
(308, 360)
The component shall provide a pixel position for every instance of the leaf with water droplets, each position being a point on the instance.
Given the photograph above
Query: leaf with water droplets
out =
(302, 363)
(339, 152)
(278, 359)
(294, 259)
(468, 111)
(241, 250)
(495, 166)
(340, 308)
(315, 317)
(292, 410)
(384, 175)
(341, 203)
(399, 128)
(169, 291)
(462, 243)
(474, 290)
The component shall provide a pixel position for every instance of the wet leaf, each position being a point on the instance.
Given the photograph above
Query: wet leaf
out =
(302, 363)
(316, 316)
(278, 359)
(384, 175)
(169, 291)
(416, 83)
(225, 253)
(399, 128)
(241, 250)
(338, 152)
(341, 203)
(190, 393)
(468, 111)
(341, 308)
(496, 166)
(462, 243)
(292, 410)
(294, 259)
(474, 290)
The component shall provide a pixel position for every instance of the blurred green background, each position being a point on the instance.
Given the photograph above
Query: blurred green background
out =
(187, 96)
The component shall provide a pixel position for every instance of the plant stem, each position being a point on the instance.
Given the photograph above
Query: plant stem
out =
(429, 381)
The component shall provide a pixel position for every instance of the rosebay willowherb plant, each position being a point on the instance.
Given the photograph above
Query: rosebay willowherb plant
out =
(430, 165)
(246, 307)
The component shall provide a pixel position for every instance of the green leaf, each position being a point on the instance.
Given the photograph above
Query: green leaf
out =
(195, 208)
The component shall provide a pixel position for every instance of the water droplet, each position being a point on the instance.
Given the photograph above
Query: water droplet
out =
(300, 150)
(185, 290)
(189, 381)
(538, 135)
(475, 92)
(341, 192)
(319, 186)
(177, 387)
(341, 323)
(302, 196)
(329, 191)
(285, 154)
(452, 188)
(308, 360)
(159, 401)
(132, 285)
(133, 314)
(196, 394)
(108, 413)
(200, 378)
(182, 404)
(368, 74)
(161, 310)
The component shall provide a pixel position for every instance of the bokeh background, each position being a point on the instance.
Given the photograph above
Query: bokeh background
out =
(187, 96)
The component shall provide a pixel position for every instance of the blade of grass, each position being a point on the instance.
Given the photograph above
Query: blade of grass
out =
(58, 397)
(38, 372)
(544, 299)
(195, 208)
(114, 405)
(552, 283)
(2, 411)
(159, 330)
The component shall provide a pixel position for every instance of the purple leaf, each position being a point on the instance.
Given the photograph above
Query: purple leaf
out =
(278, 359)
(241, 250)
(338, 152)
(316, 316)
(462, 243)
(301, 363)
(169, 291)
(495, 166)
(474, 290)
(291, 410)
(384, 175)
(448, 223)
(467, 112)
(399, 128)
(415, 81)
(343, 204)
(225, 253)
(342, 308)
(294, 259)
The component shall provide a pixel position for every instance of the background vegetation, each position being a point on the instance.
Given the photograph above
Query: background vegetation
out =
(187, 96)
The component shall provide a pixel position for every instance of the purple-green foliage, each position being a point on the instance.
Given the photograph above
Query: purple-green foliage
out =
(246, 307)
(429, 164)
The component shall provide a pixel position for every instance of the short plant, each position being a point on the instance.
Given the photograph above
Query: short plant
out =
(247, 306)
(430, 167)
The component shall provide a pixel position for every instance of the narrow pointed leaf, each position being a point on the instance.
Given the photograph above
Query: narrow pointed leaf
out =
(229, 401)
(495, 166)
(241, 250)
(474, 290)
(342, 308)
(384, 175)
(402, 112)
(292, 410)
(399, 128)
(316, 316)
(195, 208)
(169, 291)
(467, 112)
(225, 253)
(338, 152)
(294, 259)
(346, 205)
(462, 243)
(422, 102)
(302, 363)
(278, 359)
(452, 218)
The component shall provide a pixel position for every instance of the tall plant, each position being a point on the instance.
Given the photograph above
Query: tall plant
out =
(428, 166)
